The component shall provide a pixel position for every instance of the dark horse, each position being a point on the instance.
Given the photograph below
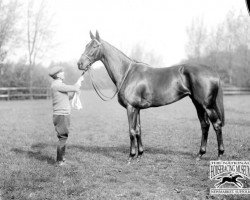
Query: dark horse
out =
(229, 179)
(141, 86)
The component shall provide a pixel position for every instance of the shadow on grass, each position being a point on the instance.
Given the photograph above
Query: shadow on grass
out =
(110, 152)
(35, 154)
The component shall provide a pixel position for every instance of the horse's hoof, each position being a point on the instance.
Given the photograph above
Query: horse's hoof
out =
(220, 155)
(198, 159)
(130, 158)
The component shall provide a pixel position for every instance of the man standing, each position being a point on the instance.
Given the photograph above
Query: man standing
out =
(61, 94)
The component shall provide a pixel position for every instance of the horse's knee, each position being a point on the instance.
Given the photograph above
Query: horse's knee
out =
(132, 133)
(212, 114)
(217, 126)
(137, 133)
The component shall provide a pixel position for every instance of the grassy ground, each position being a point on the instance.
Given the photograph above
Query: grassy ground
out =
(98, 148)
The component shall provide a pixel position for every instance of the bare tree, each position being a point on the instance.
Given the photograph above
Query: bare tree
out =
(139, 53)
(38, 33)
(227, 47)
(230, 41)
(197, 35)
(8, 29)
(243, 23)
(215, 44)
(237, 30)
(38, 30)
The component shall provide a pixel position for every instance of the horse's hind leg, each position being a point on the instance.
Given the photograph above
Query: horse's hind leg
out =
(203, 117)
(239, 184)
(138, 135)
(217, 185)
(132, 120)
(217, 124)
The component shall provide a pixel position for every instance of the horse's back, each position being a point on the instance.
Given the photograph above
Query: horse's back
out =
(191, 75)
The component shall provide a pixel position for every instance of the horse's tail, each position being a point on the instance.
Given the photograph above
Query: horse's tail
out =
(219, 104)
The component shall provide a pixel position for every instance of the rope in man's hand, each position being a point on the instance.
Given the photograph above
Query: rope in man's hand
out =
(76, 102)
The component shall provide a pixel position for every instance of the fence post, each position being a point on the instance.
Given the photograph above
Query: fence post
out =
(31, 93)
(8, 93)
(49, 93)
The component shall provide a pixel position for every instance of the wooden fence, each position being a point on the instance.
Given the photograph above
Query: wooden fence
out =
(236, 90)
(18, 93)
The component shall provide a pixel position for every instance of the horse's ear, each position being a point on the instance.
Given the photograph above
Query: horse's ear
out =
(91, 35)
(97, 36)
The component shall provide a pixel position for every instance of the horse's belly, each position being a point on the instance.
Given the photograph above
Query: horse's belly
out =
(169, 91)
(168, 96)
(159, 97)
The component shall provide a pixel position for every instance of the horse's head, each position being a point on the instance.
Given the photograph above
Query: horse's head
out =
(92, 53)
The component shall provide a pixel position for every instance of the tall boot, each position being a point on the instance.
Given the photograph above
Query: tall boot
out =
(61, 151)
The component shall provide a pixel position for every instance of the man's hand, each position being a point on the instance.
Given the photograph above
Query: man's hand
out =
(77, 88)
(79, 83)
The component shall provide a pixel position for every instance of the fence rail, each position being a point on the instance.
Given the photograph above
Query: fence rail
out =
(236, 90)
(17, 93)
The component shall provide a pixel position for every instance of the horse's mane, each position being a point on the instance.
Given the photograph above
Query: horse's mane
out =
(117, 50)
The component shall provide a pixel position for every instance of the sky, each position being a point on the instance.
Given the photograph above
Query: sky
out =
(158, 25)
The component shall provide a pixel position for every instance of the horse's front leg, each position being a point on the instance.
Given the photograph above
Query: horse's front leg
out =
(132, 121)
(138, 135)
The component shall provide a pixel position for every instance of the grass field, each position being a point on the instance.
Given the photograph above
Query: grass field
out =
(98, 148)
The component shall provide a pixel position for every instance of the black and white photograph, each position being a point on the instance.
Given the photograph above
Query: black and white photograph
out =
(124, 100)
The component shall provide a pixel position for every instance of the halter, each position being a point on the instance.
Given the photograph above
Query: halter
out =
(98, 91)
(89, 65)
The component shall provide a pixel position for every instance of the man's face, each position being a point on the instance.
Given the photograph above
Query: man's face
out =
(61, 75)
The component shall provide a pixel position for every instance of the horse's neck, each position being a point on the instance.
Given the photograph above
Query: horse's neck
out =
(115, 62)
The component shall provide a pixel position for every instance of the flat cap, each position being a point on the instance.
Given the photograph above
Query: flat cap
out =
(54, 70)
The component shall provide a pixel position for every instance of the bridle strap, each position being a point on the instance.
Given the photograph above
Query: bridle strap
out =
(99, 43)
(98, 91)
(90, 60)
(90, 63)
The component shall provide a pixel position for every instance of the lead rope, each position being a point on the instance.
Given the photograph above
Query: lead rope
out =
(98, 91)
